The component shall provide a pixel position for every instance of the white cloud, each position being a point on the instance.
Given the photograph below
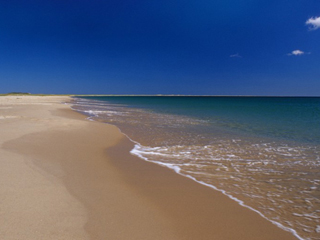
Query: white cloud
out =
(236, 55)
(297, 53)
(314, 22)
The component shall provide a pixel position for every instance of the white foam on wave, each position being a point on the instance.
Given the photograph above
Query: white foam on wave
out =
(137, 151)
(88, 118)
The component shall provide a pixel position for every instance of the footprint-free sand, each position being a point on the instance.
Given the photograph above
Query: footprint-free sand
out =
(65, 177)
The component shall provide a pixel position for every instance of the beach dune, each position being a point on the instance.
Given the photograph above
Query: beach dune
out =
(65, 177)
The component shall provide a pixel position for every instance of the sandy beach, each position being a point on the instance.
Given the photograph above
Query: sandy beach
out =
(65, 177)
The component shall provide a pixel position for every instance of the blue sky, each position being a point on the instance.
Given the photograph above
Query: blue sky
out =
(205, 47)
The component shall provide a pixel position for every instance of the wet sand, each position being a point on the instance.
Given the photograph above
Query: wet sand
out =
(64, 177)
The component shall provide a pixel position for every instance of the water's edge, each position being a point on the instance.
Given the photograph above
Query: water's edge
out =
(176, 169)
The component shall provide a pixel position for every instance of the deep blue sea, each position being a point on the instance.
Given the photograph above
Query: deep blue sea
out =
(263, 152)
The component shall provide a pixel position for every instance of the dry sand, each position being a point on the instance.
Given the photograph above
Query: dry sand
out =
(64, 177)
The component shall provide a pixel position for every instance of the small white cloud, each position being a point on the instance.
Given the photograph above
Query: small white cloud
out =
(314, 22)
(235, 55)
(297, 53)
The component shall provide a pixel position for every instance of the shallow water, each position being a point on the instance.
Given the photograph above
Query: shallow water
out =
(262, 152)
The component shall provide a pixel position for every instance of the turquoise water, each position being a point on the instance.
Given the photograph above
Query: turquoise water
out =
(289, 118)
(261, 151)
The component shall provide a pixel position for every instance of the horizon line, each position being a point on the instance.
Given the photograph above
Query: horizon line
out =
(144, 95)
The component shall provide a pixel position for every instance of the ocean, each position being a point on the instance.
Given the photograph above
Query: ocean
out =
(263, 152)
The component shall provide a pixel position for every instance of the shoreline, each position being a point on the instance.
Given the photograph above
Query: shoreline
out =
(117, 195)
(151, 146)
(240, 202)
(172, 169)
